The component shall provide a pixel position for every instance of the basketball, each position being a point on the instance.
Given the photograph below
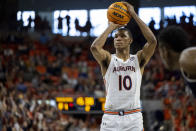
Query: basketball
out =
(118, 13)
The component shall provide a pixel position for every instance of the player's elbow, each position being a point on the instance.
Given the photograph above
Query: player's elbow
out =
(93, 48)
(153, 40)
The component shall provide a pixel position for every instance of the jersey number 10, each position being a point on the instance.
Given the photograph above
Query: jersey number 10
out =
(123, 82)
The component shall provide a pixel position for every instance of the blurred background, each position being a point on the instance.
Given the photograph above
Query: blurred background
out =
(49, 80)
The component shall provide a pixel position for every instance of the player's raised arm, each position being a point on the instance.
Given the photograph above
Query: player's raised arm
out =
(102, 56)
(145, 54)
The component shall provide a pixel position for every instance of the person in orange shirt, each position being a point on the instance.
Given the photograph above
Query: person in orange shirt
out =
(167, 117)
(191, 118)
(177, 120)
(41, 69)
(190, 122)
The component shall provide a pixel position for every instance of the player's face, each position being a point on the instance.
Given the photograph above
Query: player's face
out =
(122, 39)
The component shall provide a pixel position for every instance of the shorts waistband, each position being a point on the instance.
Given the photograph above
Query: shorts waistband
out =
(122, 113)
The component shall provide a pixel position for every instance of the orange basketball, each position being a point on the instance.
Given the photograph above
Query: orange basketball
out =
(118, 13)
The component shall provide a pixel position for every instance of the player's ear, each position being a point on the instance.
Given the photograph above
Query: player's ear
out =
(131, 40)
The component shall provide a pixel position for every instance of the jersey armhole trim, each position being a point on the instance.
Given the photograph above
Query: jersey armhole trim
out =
(138, 64)
(108, 66)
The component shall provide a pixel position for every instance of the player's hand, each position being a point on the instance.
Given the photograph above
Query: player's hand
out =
(114, 26)
(187, 62)
(130, 7)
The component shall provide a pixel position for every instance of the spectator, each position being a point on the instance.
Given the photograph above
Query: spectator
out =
(37, 22)
(67, 17)
(30, 20)
(60, 23)
(43, 38)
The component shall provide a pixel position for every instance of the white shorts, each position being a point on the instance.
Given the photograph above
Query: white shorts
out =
(129, 122)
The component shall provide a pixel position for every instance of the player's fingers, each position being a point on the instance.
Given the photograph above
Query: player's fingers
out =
(125, 3)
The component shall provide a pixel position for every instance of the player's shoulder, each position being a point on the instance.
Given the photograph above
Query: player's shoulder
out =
(139, 53)
(133, 55)
(113, 56)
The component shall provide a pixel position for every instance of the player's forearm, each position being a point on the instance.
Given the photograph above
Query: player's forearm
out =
(100, 41)
(148, 34)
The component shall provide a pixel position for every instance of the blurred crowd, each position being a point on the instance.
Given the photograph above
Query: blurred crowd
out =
(22, 112)
(49, 67)
(33, 70)
(44, 68)
(179, 113)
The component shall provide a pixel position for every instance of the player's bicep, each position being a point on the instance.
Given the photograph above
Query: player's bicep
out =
(148, 50)
(146, 53)
(100, 54)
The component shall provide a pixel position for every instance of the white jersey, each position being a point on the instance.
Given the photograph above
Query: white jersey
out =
(122, 82)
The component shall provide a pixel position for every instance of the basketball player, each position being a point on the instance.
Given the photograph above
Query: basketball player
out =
(173, 42)
(122, 74)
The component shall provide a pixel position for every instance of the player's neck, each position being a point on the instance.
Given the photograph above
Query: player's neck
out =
(123, 54)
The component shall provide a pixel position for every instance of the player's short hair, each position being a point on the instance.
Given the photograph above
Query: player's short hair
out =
(173, 37)
(125, 29)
